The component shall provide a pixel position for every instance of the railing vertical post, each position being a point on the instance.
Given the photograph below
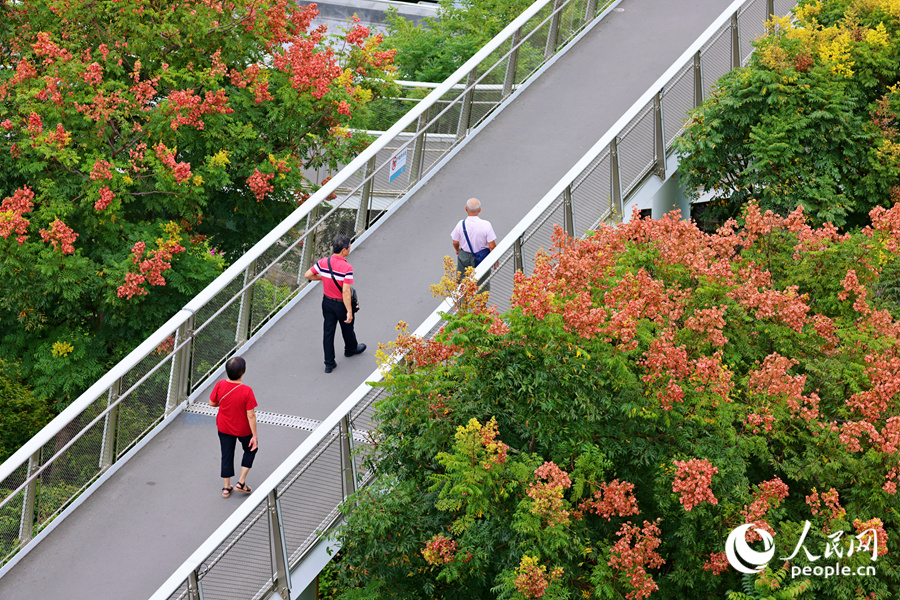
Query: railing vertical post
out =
(465, 110)
(365, 199)
(29, 502)
(553, 34)
(279, 547)
(179, 374)
(591, 11)
(770, 9)
(110, 427)
(659, 136)
(308, 255)
(735, 42)
(698, 81)
(419, 148)
(242, 334)
(568, 215)
(348, 470)
(194, 591)
(509, 80)
(615, 182)
(518, 263)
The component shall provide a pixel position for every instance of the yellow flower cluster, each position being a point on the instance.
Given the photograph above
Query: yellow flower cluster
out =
(61, 349)
(219, 159)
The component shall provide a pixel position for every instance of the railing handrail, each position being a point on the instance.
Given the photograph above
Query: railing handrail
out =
(93, 393)
(345, 408)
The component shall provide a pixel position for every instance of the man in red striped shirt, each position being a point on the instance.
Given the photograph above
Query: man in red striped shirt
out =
(337, 280)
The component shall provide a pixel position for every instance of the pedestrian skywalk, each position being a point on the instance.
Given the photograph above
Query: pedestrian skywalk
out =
(611, 102)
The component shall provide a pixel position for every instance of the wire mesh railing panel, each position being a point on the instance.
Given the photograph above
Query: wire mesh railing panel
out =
(242, 567)
(531, 51)
(752, 19)
(215, 336)
(571, 20)
(76, 466)
(141, 409)
(716, 58)
(678, 99)
(636, 149)
(11, 512)
(311, 498)
(540, 235)
(591, 197)
(361, 415)
(500, 283)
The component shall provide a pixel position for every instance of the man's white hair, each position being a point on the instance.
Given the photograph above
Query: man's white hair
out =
(473, 205)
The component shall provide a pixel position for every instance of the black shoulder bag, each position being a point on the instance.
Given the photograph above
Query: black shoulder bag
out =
(481, 254)
(354, 299)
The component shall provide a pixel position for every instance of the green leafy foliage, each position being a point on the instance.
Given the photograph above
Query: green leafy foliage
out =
(144, 144)
(651, 389)
(811, 121)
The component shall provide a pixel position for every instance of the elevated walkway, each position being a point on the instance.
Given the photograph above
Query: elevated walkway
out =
(126, 539)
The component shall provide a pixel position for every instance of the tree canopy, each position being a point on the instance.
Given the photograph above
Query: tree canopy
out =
(142, 141)
(652, 388)
(811, 121)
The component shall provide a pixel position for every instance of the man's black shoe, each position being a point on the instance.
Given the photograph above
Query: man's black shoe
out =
(360, 348)
(330, 369)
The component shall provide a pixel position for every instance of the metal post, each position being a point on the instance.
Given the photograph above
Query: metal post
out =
(348, 481)
(512, 64)
(591, 11)
(735, 43)
(418, 160)
(770, 9)
(282, 575)
(179, 373)
(553, 34)
(466, 109)
(698, 81)
(518, 263)
(308, 254)
(195, 592)
(242, 334)
(568, 216)
(110, 427)
(614, 179)
(659, 136)
(26, 522)
(365, 199)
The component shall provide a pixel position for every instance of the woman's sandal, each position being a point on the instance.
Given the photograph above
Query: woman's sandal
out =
(226, 492)
(243, 487)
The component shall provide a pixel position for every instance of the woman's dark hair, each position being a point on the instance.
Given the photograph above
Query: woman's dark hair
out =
(235, 367)
(340, 242)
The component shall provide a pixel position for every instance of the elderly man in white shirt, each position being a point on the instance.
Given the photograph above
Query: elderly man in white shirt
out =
(480, 236)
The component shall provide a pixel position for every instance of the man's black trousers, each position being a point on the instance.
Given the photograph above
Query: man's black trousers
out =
(335, 312)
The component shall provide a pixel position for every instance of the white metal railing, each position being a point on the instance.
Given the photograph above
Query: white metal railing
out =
(592, 192)
(154, 381)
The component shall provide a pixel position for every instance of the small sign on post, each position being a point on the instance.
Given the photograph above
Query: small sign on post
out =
(398, 165)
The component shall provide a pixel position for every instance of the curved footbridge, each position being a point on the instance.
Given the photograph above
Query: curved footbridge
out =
(609, 98)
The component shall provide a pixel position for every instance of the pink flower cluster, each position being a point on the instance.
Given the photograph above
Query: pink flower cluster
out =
(189, 108)
(693, 479)
(259, 184)
(772, 380)
(615, 498)
(769, 494)
(11, 210)
(60, 236)
(831, 500)
(548, 494)
(181, 171)
(106, 198)
(101, 170)
(439, 550)
(633, 554)
(717, 563)
(874, 533)
(532, 580)
(151, 269)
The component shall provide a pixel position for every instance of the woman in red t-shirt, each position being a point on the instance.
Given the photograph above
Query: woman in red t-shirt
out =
(236, 421)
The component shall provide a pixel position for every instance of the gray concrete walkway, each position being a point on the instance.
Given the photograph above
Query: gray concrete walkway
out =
(130, 535)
